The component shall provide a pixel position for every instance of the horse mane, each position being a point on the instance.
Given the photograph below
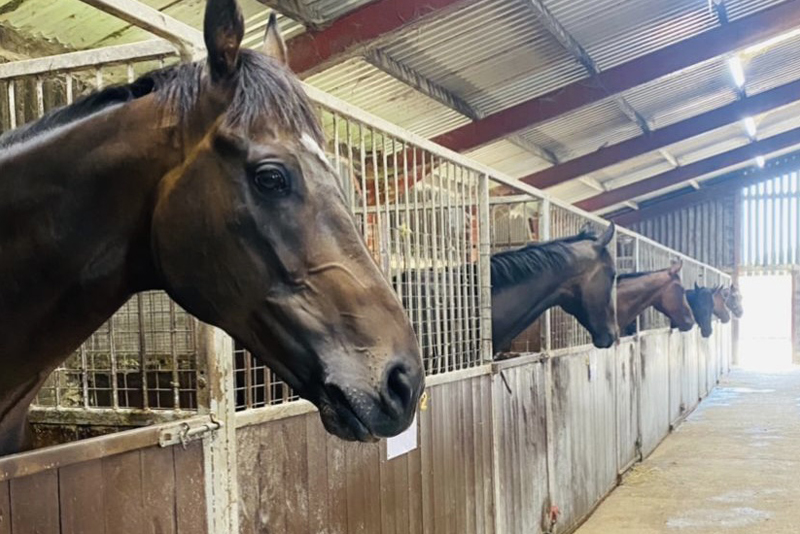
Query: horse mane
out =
(510, 266)
(639, 274)
(263, 87)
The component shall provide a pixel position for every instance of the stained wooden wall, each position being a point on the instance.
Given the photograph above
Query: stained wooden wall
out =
(295, 479)
(146, 491)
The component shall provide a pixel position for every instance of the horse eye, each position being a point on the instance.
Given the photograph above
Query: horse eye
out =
(272, 179)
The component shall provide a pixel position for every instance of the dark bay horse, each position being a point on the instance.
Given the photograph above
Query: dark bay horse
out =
(661, 289)
(701, 299)
(576, 273)
(721, 311)
(733, 301)
(206, 180)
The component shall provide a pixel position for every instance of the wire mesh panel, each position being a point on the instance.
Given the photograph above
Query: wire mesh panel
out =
(516, 222)
(145, 357)
(418, 213)
(565, 331)
(626, 253)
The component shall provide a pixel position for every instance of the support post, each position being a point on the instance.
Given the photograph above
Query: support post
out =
(485, 268)
(219, 449)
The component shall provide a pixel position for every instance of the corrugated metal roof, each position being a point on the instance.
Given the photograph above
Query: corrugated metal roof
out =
(741, 8)
(492, 53)
(573, 191)
(80, 26)
(508, 158)
(583, 131)
(773, 67)
(615, 31)
(693, 91)
(709, 144)
(367, 87)
(632, 170)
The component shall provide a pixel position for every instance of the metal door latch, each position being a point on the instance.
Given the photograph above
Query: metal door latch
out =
(187, 431)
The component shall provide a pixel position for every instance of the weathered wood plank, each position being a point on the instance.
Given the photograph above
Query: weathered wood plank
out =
(5, 509)
(81, 501)
(337, 485)
(426, 461)
(294, 476)
(122, 488)
(190, 493)
(34, 504)
(317, 475)
(158, 484)
(414, 488)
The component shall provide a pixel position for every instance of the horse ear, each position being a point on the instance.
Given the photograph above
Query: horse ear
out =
(675, 266)
(696, 287)
(223, 30)
(607, 236)
(586, 228)
(274, 45)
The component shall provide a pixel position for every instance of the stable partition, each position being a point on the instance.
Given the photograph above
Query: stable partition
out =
(525, 443)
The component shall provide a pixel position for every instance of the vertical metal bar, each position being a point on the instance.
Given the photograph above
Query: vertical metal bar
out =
(142, 350)
(434, 238)
(12, 104)
(98, 78)
(39, 97)
(84, 375)
(485, 271)
(68, 82)
(131, 73)
(476, 334)
(377, 226)
(364, 204)
(422, 272)
(449, 243)
(459, 267)
(173, 347)
(113, 355)
(546, 236)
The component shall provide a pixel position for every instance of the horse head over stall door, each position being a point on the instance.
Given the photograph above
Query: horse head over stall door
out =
(661, 289)
(721, 311)
(576, 273)
(701, 299)
(206, 180)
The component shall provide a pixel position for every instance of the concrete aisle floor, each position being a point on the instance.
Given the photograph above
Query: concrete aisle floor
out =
(733, 466)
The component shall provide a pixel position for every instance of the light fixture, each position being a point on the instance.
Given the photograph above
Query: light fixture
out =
(737, 70)
(760, 161)
(750, 126)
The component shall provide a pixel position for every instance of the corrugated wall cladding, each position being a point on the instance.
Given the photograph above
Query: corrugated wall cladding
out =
(704, 231)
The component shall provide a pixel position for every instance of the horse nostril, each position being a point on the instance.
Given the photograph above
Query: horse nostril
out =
(398, 391)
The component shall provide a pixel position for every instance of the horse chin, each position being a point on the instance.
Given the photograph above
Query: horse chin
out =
(343, 423)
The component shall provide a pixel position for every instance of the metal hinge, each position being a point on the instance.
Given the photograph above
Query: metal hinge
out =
(186, 432)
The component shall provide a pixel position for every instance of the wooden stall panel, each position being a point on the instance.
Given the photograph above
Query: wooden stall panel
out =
(584, 432)
(655, 390)
(34, 504)
(152, 490)
(5, 509)
(521, 444)
(690, 388)
(627, 409)
(677, 366)
(295, 478)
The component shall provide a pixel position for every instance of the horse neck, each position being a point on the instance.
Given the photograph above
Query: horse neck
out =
(634, 295)
(517, 305)
(75, 210)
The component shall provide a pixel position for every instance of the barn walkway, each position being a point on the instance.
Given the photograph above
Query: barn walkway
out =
(733, 466)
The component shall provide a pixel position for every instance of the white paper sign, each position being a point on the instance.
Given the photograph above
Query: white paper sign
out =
(402, 443)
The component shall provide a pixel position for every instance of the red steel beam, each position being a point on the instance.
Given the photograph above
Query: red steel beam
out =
(722, 40)
(699, 124)
(691, 171)
(312, 50)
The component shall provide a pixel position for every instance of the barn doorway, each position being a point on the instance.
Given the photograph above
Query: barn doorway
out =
(765, 334)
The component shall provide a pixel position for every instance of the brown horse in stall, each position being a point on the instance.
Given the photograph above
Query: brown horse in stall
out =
(721, 311)
(576, 273)
(733, 301)
(661, 289)
(206, 180)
